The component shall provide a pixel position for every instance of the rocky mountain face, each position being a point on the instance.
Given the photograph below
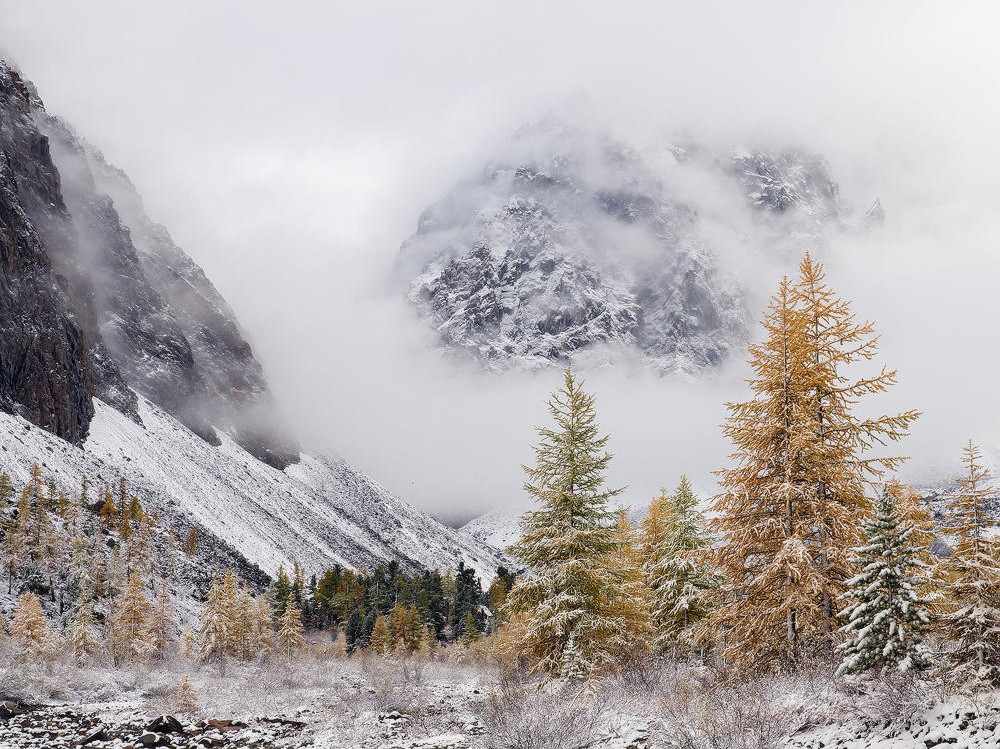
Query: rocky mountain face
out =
(577, 244)
(116, 305)
(119, 358)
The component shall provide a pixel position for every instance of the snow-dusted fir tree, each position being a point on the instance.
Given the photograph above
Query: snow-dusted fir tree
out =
(790, 503)
(218, 620)
(380, 640)
(185, 697)
(570, 590)
(674, 543)
(972, 620)
(129, 637)
(289, 638)
(261, 632)
(81, 634)
(887, 615)
(636, 603)
(162, 623)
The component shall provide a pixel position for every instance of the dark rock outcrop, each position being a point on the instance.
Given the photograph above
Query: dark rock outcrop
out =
(97, 300)
(45, 370)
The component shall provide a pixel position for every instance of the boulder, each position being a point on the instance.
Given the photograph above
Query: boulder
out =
(165, 724)
(98, 734)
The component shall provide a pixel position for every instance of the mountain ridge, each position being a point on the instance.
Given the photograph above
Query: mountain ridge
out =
(115, 344)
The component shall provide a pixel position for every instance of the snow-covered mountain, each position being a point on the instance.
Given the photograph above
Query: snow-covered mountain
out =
(118, 357)
(317, 511)
(576, 243)
(497, 528)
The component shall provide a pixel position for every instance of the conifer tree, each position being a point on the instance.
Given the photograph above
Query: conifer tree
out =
(570, 589)
(16, 541)
(29, 629)
(634, 605)
(972, 619)
(108, 512)
(129, 637)
(189, 642)
(191, 542)
(887, 616)
(397, 623)
(916, 513)
(185, 697)
(218, 621)
(674, 545)
(380, 640)
(413, 631)
(80, 633)
(281, 591)
(789, 508)
(423, 650)
(84, 494)
(6, 495)
(470, 630)
(288, 638)
(261, 634)
(162, 624)
(428, 643)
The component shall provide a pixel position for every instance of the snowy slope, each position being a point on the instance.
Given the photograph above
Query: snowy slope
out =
(317, 512)
(498, 528)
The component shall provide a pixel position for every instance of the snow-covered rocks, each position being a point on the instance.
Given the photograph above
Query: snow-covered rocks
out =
(951, 725)
(59, 726)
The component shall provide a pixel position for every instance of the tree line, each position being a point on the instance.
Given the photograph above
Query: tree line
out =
(812, 551)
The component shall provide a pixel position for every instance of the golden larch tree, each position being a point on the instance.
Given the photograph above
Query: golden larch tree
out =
(972, 606)
(29, 629)
(790, 503)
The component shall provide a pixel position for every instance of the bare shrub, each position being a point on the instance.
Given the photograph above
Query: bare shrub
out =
(528, 715)
(894, 695)
(714, 713)
(388, 685)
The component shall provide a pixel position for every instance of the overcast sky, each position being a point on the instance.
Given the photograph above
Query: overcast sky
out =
(290, 147)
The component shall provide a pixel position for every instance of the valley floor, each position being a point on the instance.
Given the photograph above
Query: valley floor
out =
(376, 703)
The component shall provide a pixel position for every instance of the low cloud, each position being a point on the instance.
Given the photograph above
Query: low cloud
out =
(291, 155)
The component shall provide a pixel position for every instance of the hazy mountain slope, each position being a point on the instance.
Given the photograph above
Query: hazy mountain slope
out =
(498, 528)
(317, 512)
(118, 357)
(575, 242)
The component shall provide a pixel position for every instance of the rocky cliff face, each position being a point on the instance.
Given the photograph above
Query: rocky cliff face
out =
(47, 369)
(576, 244)
(100, 301)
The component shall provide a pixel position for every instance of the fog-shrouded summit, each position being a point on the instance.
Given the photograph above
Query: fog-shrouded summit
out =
(120, 359)
(578, 244)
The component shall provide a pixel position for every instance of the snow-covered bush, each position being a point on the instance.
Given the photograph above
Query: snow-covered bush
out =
(712, 713)
(524, 714)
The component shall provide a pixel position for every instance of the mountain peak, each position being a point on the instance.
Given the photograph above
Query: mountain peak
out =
(576, 244)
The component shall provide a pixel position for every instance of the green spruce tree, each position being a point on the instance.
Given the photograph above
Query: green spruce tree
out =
(570, 594)
(674, 543)
(887, 616)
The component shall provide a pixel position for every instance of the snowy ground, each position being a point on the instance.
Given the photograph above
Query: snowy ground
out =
(373, 703)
